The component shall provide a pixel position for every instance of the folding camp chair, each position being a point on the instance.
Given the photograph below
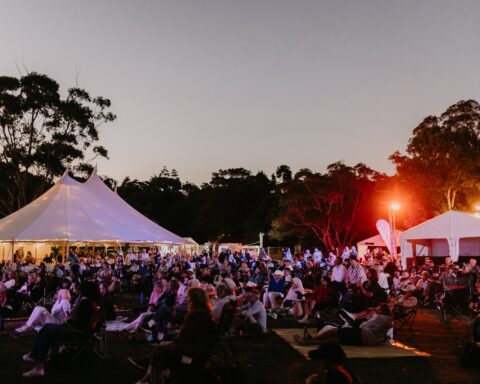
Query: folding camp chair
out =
(453, 305)
(405, 318)
(72, 349)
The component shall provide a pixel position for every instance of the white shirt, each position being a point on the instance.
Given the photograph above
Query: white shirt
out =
(60, 310)
(9, 284)
(182, 293)
(339, 273)
(383, 280)
(257, 310)
(317, 256)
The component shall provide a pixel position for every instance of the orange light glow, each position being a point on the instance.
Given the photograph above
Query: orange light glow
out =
(395, 206)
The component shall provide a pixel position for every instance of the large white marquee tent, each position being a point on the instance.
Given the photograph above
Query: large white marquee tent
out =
(73, 212)
(451, 234)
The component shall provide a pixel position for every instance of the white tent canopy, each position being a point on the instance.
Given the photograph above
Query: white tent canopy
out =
(375, 241)
(71, 211)
(451, 234)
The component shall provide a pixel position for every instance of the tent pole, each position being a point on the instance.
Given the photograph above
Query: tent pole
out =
(13, 254)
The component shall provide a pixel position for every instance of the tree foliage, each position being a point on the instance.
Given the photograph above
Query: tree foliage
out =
(41, 133)
(332, 209)
(234, 206)
(441, 167)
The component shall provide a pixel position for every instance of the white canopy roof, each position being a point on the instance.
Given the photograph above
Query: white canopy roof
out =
(82, 212)
(377, 241)
(450, 234)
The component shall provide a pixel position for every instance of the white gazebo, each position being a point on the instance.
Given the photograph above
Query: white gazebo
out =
(72, 212)
(451, 234)
(375, 241)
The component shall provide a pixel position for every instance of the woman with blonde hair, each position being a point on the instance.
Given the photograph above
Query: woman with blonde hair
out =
(295, 297)
(41, 316)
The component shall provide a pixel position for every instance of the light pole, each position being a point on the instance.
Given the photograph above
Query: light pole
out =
(391, 218)
(476, 209)
(260, 235)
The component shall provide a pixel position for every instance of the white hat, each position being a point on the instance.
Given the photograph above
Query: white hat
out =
(278, 273)
(251, 284)
(229, 283)
(194, 283)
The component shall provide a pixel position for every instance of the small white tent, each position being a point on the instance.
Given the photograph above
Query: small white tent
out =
(76, 212)
(451, 234)
(375, 241)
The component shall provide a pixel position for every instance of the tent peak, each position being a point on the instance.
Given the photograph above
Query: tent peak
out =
(93, 174)
(66, 178)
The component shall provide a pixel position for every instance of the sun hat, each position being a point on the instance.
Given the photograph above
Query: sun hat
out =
(229, 283)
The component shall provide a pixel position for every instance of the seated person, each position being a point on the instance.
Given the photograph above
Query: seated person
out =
(422, 286)
(253, 315)
(324, 296)
(105, 302)
(371, 290)
(258, 278)
(194, 344)
(158, 290)
(41, 316)
(371, 332)
(295, 297)
(225, 293)
(78, 327)
(276, 288)
(24, 293)
(164, 314)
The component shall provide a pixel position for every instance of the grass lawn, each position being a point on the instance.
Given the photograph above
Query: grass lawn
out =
(268, 359)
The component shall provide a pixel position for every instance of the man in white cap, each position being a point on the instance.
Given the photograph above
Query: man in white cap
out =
(275, 289)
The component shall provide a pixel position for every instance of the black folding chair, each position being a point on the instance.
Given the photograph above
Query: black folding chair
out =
(453, 304)
(405, 317)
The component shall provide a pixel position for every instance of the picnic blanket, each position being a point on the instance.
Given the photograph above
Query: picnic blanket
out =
(393, 350)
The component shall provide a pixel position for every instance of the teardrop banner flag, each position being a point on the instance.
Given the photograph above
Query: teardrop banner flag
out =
(385, 231)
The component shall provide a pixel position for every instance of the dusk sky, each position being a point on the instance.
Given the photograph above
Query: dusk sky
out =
(201, 85)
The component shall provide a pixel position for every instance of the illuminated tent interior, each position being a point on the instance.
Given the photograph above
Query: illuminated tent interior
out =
(451, 234)
(375, 241)
(78, 213)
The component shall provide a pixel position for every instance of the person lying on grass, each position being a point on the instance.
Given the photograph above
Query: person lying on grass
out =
(370, 332)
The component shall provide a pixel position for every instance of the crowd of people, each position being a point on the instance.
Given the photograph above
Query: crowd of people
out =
(353, 300)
